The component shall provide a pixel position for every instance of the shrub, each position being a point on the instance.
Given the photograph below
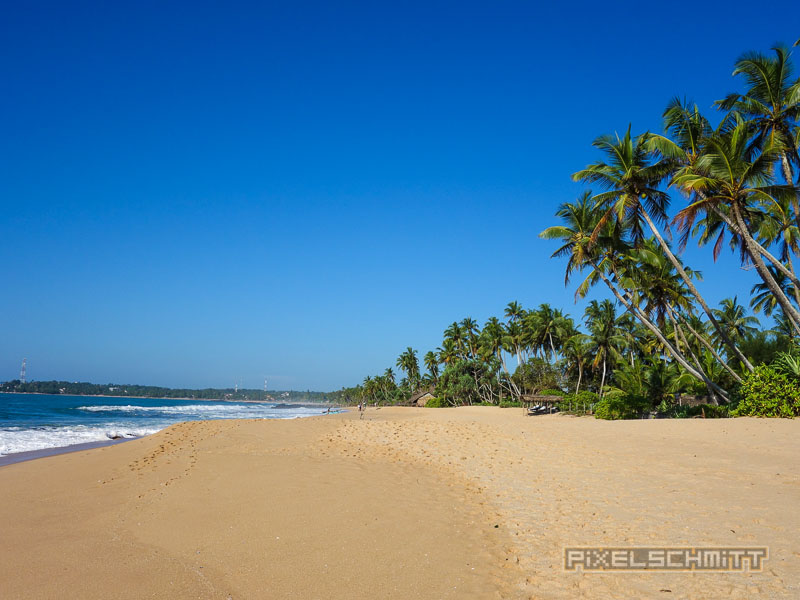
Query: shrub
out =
(767, 393)
(576, 404)
(436, 403)
(710, 411)
(550, 392)
(510, 404)
(621, 406)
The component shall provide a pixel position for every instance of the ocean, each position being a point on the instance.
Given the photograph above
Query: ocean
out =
(37, 421)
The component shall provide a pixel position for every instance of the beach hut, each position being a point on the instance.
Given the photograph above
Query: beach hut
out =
(420, 398)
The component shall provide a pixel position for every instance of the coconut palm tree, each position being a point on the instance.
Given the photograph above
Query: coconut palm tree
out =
(729, 179)
(408, 362)
(605, 340)
(432, 364)
(469, 329)
(578, 355)
(601, 249)
(771, 103)
(455, 334)
(448, 353)
(545, 328)
(632, 177)
(734, 318)
(778, 226)
(514, 314)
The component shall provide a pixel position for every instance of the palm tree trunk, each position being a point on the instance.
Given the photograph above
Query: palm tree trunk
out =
(693, 290)
(678, 332)
(795, 288)
(603, 379)
(710, 347)
(655, 330)
(789, 176)
(790, 311)
(759, 248)
(580, 376)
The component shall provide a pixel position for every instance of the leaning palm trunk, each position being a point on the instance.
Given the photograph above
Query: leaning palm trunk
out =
(758, 247)
(680, 337)
(702, 339)
(676, 354)
(795, 288)
(789, 176)
(693, 290)
(790, 311)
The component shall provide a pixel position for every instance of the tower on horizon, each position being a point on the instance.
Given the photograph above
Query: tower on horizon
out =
(22, 371)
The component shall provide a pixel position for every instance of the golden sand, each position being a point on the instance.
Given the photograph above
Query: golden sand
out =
(406, 503)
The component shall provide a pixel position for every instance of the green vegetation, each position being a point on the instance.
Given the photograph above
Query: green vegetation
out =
(658, 346)
(768, 393)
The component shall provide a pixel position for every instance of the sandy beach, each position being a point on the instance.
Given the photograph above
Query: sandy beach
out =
(406, 503)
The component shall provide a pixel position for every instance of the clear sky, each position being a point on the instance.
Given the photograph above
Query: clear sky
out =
(208, 193)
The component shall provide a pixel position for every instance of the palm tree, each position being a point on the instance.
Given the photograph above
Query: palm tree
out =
(432, 364)
(578, 354)
(454, 334)
(604, 337)
(588, 243)
(771, 103)
(734, 182)
(778, 225)
(514, 314)
(469, 328)
(735, 320)
(448, 353)
(408, 362)
(632, 177)
(545, 327)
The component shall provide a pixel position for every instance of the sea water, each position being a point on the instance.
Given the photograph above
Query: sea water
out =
(39, 421)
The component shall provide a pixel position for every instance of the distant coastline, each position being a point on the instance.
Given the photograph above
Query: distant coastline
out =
(115, 390)
(277, 403)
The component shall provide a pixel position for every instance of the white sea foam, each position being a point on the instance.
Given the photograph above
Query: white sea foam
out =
(130, 420)
(15, 439)
(209, 411)
(186, 408)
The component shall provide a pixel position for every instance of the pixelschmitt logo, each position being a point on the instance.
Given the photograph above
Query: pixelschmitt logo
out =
(662, 558)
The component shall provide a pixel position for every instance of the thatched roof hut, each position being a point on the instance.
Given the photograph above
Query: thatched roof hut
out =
(420, 398)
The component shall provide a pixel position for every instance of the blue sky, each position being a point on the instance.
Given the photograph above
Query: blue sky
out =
(202, 194)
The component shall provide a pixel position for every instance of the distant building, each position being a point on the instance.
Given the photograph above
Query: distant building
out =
(420, 398)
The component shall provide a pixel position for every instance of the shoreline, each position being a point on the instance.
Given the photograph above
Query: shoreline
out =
(26, 455)
(18, 457)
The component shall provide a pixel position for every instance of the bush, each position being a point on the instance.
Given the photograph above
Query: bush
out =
(575, 404)
(437, 403)
(767, 393)
(621, 406)
(550, 392)
(710, 411)
(510, 404)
